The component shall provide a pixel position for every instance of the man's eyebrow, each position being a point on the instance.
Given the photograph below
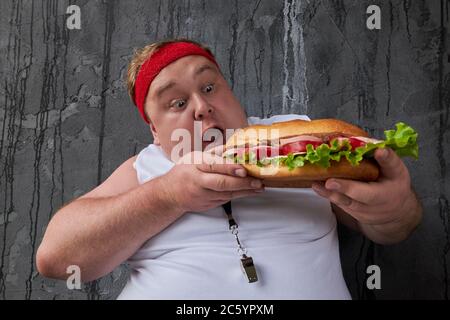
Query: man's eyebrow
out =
(164, 87)
(204, 68)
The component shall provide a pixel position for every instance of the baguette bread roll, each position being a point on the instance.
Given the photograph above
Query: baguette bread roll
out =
(302, 177)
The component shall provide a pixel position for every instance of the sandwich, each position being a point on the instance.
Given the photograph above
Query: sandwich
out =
(295, 153)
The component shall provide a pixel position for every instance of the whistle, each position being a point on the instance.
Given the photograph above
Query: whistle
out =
(248, 268)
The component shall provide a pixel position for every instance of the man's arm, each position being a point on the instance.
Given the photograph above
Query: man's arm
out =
(101, 229)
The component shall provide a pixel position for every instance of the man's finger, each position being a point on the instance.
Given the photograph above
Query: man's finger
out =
(390, 163)
(229, 169)
(368, 214)
(365, 192)
(220, 182)
(208, 158)
(338, 198)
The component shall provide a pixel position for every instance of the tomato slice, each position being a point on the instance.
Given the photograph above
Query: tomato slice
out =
(298, 146)
(355, 143)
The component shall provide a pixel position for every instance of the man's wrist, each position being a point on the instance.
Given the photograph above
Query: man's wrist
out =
(398, 229)
(164, 196)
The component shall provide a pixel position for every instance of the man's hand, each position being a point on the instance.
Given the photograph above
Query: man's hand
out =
(386, 210)
(199, 187)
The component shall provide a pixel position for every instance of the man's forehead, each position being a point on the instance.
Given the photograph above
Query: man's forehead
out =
(190, 65)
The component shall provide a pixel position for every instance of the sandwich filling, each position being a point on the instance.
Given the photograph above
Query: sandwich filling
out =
(296, 151)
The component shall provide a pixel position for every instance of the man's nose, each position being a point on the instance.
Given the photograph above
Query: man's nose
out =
(202, 108)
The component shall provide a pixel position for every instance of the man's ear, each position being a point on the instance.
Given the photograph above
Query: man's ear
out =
(154, 133)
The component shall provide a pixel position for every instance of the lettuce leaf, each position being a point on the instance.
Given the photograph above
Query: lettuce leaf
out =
(403, 140)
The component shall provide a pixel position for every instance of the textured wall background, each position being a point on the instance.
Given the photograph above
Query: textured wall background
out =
(66, 122)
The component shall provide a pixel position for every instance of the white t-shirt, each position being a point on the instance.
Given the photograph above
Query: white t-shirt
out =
(290, 233)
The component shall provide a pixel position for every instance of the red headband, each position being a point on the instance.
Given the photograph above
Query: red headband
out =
(158, 61)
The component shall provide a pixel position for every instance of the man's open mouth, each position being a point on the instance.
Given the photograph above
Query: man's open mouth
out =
(213, 134)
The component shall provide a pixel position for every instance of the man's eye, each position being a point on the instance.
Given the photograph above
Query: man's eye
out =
(179, 104)
(208, 88)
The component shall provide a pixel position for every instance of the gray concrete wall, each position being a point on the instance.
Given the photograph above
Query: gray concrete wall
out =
(66, 121)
